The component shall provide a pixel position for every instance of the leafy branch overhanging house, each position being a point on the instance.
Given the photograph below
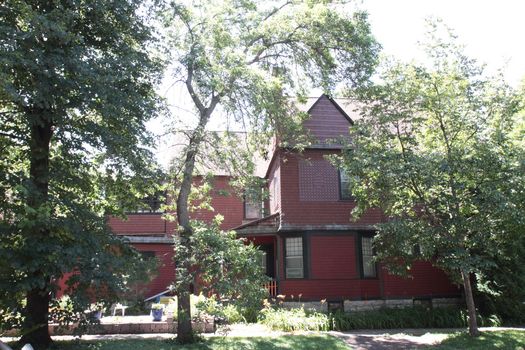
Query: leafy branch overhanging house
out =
(311, 246)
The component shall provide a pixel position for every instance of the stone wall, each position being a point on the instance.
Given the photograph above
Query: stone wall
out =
(207, 326)
(364, 305)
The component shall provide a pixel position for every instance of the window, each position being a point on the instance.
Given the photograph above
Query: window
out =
(344, 185)
(152, 204)
(367, 258)
(252, 205)
(294, 257)
(275, 198)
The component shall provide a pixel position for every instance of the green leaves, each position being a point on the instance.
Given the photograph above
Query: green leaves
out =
(75, 93)
(220, 263)
(436, 150)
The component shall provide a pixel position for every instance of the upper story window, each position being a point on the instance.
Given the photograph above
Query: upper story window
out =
(368, 265)
(152, 203)
(252, 204)
(344, 185)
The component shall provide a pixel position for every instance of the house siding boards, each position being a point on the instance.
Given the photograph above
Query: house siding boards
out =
(426, 281)
(326, 121)
(309, 207)
(333, 257)
(166, 271)
(139, 224)
(224, 201)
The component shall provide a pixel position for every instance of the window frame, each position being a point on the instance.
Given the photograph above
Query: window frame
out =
(245, 203)
(341, 196)
(304, 255)
(148, 201)
(361, 258)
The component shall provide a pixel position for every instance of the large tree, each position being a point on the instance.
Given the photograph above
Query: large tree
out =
(435, 149)
(248, 62)
(76, 87)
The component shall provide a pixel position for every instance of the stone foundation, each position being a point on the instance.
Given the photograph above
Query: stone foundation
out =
(133, 328)
(364, 305)
(123, 327)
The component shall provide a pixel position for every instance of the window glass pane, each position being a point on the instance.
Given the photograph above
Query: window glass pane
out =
(294, 273)
(344, 185)
(252, 209)
(369, 266)
(294, 262)
(252, 203)
(294, 257)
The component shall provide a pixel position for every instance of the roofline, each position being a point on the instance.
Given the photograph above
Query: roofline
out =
(315, 146)
(274, 155)
(240, 227)
(336, 105)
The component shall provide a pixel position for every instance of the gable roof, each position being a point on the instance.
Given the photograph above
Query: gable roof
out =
(329, 121)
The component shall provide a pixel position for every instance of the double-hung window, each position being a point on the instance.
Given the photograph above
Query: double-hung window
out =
(252, 204)
(344, 185)
(294, 257)
(368, 264)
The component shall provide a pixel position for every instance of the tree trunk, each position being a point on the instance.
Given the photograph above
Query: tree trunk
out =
(35, 330)
(34, 327)
(469, 298)
(184, 329)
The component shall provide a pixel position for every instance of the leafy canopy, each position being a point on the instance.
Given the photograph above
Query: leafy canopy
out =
(436, 149)
(76, 87)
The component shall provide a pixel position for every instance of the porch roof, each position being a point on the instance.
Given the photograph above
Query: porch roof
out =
(267, 224)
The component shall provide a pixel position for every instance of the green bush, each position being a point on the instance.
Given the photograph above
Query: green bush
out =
(295, 319)
(229, 313)
(413, 317)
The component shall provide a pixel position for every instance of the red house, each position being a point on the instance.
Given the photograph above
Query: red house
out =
(313, 251)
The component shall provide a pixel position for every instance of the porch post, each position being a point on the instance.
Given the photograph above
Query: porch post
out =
(277, 263)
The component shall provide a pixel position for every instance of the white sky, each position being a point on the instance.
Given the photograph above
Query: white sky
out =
(493, 32)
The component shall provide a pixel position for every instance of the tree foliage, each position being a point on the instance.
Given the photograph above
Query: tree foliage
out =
(249, 62)
(436, 150)
(76, 87)
(222, 265)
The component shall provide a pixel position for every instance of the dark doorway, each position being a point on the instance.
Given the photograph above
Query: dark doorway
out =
(268, 262)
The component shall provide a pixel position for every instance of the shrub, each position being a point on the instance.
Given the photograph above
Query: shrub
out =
(295, 319)
(227, 313)
(413, 317)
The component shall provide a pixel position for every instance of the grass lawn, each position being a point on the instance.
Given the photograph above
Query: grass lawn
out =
(509, 340)
(307, 342)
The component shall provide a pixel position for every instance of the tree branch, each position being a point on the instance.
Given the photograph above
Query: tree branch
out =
(15, 137)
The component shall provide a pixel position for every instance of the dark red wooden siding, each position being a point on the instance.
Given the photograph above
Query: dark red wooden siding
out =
(224, 202)
(426, 281)
(333, 257)
(312, 208)
(326, 121)
(166, 271)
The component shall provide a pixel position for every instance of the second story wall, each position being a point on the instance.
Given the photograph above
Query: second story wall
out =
(310, 193)
(224, 201)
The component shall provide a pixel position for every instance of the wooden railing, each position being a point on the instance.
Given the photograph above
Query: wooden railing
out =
(271, 287)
